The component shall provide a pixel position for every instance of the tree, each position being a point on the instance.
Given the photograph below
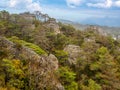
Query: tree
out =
(67, 30)
(60, 41)
(108, 67)
(62, 57)
(92, 85)
(67, 78)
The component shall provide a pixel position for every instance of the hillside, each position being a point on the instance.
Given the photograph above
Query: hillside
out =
(113, 31)
(39, 53)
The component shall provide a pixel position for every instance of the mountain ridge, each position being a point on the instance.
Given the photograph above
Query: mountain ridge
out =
(114, 31)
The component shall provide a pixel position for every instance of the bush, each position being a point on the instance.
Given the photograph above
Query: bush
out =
(67, 78)
(62, 56)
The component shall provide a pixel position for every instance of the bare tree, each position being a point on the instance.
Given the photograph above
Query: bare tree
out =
(38, 15)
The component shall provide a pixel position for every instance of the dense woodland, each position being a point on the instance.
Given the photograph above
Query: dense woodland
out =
(87, 60)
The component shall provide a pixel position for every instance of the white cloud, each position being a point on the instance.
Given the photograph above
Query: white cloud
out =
(117, 3)
(26, 4)
(73, 3)
(34, 7)
(105, 4)
(13, 3)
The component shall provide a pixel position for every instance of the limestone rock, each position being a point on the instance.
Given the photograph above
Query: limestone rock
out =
(42, 67)
(73, 52)
(54, 25)
(54, 61)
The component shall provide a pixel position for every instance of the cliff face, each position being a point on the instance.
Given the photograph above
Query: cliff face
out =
(43, 67)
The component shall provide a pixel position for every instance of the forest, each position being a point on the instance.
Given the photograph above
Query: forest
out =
(39, 53)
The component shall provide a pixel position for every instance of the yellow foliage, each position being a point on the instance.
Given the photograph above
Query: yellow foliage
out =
(16, 63)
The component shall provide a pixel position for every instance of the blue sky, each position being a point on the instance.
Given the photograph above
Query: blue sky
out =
(102, 12)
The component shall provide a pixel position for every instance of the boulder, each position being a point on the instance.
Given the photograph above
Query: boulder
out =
(73, 53)
(54, 26)
(53, 61)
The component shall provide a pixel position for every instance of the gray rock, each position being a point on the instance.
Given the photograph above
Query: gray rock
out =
(54, 26)
(42, 67)
(73, 52)
(54, 61)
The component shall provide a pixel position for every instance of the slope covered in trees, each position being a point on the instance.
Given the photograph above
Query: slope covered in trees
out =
(37, 54)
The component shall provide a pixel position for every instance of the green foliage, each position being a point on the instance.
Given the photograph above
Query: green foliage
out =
(102, 51)
(99, 68)
(62, 56)
(60, 41)
(3, 53)
(67, 30)
(12, 74)
(108, 67)
(37, 23)
(95, 66)
(67, 78)
(6, 27)
(34, 47)
(92, 85)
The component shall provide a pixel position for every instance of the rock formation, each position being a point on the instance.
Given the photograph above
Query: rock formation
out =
(73, 52)
(42, 67)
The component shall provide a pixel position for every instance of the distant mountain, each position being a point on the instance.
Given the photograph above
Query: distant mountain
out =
(103, 21)
(65, 21)
(110, 30)
(74, 24)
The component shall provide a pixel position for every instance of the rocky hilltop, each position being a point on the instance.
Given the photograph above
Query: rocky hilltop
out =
(39, 53)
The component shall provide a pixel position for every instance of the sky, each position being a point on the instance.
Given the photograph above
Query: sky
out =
(101, 12)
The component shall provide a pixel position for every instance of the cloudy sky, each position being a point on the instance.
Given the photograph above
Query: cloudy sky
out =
(102, 12)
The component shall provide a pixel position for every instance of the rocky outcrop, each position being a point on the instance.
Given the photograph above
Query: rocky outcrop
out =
(73, 52)
(97, 30)
(51, 23)
(8, 45)
(27, 16)
(89, 39)
(54, 26)
(54, 63)
(41, 67)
